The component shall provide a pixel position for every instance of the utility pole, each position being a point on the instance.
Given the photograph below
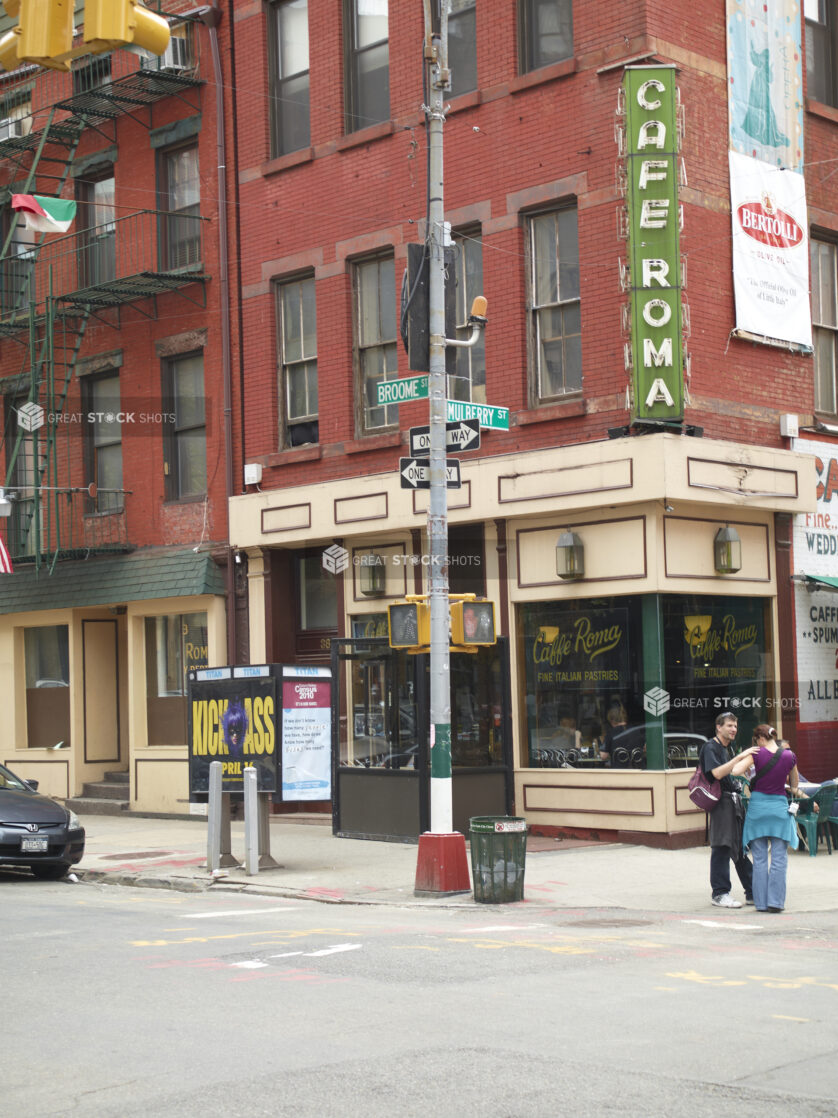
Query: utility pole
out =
(442, 865)
(441, 798)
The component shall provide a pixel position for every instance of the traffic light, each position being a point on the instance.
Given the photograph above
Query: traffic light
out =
(409, 625)
(117, 23)
(44, 34)
(472, 623)
(415, 311)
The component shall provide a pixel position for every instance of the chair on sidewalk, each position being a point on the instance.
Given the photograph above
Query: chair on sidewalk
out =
(815, 824)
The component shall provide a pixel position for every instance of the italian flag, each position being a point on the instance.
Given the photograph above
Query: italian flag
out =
(47, 215)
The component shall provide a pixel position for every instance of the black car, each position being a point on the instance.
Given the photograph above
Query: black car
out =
(35, 831)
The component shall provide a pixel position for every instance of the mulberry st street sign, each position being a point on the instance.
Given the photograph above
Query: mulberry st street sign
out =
(657, 358)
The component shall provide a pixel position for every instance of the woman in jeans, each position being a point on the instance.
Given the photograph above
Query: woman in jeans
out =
(768, 820)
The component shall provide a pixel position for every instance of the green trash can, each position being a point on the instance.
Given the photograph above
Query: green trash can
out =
(498, 854)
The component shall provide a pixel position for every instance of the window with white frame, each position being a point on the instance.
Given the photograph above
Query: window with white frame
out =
(821, 50)
(545, 32)
(367, 63)
(462, 46)
(297, 318)
(555, 314)
(375, 337)
(185, 462)
(103, 441)
(823, 257)
(290, 110)
(469, 381)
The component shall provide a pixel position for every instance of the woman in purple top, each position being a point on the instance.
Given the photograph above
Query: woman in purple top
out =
(768, 820)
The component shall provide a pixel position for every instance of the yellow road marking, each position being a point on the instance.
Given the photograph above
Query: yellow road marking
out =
(783, 1017)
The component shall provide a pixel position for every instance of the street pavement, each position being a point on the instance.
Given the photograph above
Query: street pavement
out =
(313, 864)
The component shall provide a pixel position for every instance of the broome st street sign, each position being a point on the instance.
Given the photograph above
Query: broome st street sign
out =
(401, 390)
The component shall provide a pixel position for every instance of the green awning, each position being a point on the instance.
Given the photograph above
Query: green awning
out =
(107, 580)
(825, 582)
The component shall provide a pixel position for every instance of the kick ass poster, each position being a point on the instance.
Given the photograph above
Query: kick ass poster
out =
(232, 719)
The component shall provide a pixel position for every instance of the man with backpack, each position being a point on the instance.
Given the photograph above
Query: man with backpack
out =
(726, 820)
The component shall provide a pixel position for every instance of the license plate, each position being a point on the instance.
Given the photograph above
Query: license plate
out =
(34, 845)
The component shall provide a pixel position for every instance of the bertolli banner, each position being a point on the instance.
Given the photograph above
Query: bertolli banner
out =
(770, 251)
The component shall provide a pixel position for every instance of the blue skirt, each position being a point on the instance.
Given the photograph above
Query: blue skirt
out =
(768, 817)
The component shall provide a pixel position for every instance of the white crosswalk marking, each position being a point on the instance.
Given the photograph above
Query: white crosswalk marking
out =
(235, 912)
(336, 949)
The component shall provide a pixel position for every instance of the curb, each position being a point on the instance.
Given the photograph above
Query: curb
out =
(198, 885)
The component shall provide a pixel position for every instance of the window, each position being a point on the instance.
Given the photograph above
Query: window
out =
(824, 256)
(186, 451)
(375, 333)
(469, 382)
(821, 51)
(297, 314)
(554, 293)
(47, 654)
(23, 466)
(462, 46)
(180, 191)
(317, 593)
(17, 269)
(47, 659)
(367, 63)
(175, 643)
(97, 254)
(546, 33)
(289, 71)
(90, 74)
(103, 441)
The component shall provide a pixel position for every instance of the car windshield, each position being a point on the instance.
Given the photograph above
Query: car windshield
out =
(9, 780)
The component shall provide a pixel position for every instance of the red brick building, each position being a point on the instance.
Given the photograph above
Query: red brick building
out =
(332, 171)
(116, 359)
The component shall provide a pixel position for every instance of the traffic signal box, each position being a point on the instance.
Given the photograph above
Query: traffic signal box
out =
(472, 624)
(44, 31)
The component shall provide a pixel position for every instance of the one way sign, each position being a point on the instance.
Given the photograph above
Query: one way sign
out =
(462, 435)
(416, 473)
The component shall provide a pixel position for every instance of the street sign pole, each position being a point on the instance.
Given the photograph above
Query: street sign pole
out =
(441, 792)
(442, 865)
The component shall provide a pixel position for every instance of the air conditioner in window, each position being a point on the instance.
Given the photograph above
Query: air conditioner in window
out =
(176, 56)
(10, 128)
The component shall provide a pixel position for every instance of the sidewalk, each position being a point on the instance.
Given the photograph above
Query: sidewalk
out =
(315, 865)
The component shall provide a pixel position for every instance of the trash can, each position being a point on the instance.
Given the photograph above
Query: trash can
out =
(498, 853)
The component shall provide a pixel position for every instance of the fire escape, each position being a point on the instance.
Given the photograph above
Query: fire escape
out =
(52, 287)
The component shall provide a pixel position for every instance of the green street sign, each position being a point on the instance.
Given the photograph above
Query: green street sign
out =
(401, 391)
(485, 414)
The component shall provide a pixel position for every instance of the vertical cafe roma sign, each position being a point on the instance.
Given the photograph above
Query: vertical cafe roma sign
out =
(657, 351)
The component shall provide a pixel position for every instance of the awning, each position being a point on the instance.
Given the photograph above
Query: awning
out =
(821, 582)
(112, 580)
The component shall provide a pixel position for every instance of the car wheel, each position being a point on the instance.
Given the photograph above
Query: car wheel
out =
(50, 873)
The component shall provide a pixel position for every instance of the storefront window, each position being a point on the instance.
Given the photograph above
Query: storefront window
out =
(47, 657)
(580, 663)
(589, 703)
(318, 594)
(717, 657)
(174, 644)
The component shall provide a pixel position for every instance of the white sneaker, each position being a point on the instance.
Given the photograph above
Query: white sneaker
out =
(726, 901)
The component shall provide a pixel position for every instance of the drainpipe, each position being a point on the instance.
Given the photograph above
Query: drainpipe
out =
(212, 18)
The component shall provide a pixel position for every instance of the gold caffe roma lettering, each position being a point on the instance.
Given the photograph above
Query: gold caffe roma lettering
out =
(551, 645)
(704, 642)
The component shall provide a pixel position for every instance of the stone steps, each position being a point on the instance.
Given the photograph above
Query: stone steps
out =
(108, 796)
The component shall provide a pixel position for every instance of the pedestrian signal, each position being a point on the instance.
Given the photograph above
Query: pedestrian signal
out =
(409, 625)
(472, 623)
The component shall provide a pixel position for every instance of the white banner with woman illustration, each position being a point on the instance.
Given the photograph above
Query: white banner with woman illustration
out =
(765, 81)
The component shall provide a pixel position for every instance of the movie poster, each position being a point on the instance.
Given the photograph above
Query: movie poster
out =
(232, 719)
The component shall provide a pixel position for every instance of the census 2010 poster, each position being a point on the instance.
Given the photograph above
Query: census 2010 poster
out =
(306, 734)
